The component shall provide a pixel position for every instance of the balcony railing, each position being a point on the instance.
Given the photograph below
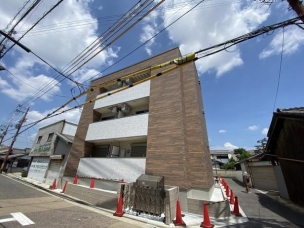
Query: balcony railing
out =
(133, 93)
(131, 126)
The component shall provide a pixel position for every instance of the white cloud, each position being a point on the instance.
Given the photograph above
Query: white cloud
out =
(203, 28)
(230, 146)
(100, 8)
(24, 84)
(34, 115)
(149, 30)
(265, 131)
(222, 131)
(293, 39)
(253, 128)
(57, 48)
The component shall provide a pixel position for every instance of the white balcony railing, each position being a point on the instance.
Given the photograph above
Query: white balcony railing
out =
(131, 126)
(128, 169)
(133, 93)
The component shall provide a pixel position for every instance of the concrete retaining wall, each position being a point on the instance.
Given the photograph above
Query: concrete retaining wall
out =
(225, 173)
(215, 210)
(97, 197)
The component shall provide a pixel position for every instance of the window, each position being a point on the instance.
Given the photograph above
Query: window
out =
(39, 139)
(50, 137)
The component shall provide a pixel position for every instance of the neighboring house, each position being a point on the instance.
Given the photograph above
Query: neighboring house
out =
(260, 170)
(285, 147)
(17, 159)
(51, 150)
(219, 157)
(157, 127)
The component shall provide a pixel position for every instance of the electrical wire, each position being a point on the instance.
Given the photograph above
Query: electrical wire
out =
(35, 97)
(23, 16)
(280, 70)
(19, 11)
(73, 25)
(32, 86)
(40, 19)
(232, 42)
(245, 38)
(151, 38)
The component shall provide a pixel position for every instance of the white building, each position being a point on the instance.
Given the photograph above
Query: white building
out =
(51, 150)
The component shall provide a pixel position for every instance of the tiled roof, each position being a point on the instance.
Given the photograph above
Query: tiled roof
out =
(291, 110)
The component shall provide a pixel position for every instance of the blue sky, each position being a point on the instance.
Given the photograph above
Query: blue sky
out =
(239, 86)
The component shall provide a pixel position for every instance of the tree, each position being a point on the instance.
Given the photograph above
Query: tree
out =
(239, 151)
(241, 154)
(229, 164)
(261, 145)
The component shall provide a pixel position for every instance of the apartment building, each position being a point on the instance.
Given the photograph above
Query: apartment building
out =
(156, 127)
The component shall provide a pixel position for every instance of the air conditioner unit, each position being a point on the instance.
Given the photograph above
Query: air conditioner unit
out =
(129, 81)
(125, 108)
(114, 109)
(120, 114)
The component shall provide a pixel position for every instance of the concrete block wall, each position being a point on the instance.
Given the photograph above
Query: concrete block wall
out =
(97, 197)
(170, 203)
(215, 210)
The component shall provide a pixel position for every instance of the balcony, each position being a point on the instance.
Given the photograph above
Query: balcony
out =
(133, 93)
(127, 127)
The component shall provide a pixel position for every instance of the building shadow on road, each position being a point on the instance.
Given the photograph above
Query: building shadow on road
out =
(257, 223)
(288, 213)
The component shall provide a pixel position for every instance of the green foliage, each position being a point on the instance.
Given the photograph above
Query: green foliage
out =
(261, 145)
(241, 154)
(239, 151)
(229, 165)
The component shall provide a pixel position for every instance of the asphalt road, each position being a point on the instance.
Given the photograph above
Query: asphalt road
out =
(46, 210)
(265, 210)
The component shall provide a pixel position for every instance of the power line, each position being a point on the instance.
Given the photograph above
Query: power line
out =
(32, 86)
(232, 42)
(40, 19)
(280, 69)
(36, 96)
(73, 25)
(151, 38)
(23, 16)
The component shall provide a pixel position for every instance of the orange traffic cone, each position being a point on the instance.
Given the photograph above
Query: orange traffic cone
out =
(227, 191)
(231, 197)
(119, 211)
(206, 223)
(92, 183)
(75, 179)
(236, 211)
(64, 187)
(54, 185)
(178, 219)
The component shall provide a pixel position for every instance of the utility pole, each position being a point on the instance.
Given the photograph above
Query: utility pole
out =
(297, 6)
(12, 143)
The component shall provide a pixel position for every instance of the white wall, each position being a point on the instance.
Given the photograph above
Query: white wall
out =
(133, 93)
(69, 129)
(128, 169)
(130, 126)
